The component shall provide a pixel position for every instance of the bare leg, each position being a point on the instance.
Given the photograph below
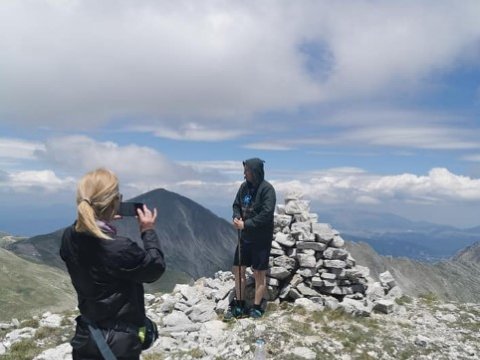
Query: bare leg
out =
(260, 285)
(236, 272)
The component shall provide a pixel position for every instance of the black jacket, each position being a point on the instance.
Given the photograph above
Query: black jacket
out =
(108, 277)
(255, 204)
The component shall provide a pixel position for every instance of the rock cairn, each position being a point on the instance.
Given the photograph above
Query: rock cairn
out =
(308, 258)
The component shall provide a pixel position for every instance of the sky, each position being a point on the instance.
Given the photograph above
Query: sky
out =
(368, 105)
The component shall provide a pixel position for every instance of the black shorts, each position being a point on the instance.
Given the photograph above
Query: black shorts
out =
(254, 254)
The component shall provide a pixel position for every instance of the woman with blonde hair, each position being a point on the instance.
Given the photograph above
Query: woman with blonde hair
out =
(107, 272)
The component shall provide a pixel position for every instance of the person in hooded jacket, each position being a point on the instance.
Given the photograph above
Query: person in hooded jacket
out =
(107, 270)
(253, 210)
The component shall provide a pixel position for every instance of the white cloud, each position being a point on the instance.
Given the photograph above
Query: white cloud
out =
(43, 180)
(333, 187)
(472, 157)
(78, 154)
(273, 146)
(17, 149)
(382, 127)
(191, 131)
(424, 137)
(163, 61)
(225, 167)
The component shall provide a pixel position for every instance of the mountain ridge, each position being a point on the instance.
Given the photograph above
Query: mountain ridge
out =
(195, 241)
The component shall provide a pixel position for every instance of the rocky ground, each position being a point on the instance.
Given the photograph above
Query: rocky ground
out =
(189, 321)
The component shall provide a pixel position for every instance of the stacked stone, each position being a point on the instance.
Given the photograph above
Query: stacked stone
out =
(308, 258)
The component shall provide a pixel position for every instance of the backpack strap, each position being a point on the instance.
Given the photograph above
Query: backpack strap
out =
(99, 340)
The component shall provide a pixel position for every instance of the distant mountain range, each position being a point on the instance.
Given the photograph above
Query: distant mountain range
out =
(394, 235)
(455, 279)
(195, 241)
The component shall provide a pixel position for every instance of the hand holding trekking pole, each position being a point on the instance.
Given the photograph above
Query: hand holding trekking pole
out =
(238, 223)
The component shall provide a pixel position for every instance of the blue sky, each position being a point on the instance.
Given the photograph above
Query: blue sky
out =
(358, 104)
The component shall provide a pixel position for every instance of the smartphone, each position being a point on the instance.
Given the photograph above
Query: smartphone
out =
(129, 208)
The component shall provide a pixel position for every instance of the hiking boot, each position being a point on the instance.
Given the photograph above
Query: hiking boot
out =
(256, 313)
(234, 311)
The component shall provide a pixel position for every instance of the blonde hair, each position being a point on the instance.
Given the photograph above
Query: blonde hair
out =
(97, 198)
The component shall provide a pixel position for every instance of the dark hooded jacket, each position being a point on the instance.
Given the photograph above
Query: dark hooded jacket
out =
(108, 277)
(255, 204)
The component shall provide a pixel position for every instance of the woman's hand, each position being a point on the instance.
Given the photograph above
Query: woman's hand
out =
(146, 219)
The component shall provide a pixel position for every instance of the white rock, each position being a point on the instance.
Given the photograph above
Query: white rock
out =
(176, 318)
(276, 245)
(394, 293)
(308, 304)
(293, 194)
(355, 307)
(384, 306)
(5, 326)
(213, 329)
(331, 303)
(278, 272)
(335, 254)
(284, 292)
(306, 272)
(306, 251)
(375, 292)
(18, 335)
(449, 318)
(296, 207)
(328, 276)
(317, 281)
(386, 279)
(3, 350)
(304, 353)
(285, 262)
(284, 239)
(277, 252)
(272, 281)
(149, 299)
(306, 291)
(338, 264)
(323, 232)
(301, 230)
(316, 246)
(422, 341)
(337, 242)
(61, 352)
(308, 261)
(282, 220)
(202, 312)
(449, 307)
(50, 320)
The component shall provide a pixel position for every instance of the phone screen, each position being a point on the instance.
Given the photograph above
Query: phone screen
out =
(129, 208)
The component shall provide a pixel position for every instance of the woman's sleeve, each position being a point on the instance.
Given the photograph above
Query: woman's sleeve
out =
(141, 265)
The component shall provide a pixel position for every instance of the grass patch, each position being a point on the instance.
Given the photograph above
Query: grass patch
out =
(153, 356)
(48, 332)
(429, 298)
(195, 353)
(404, 300)
(22, 350)
(356, 337)
(300, 310)
(303, 328)
(33, 323)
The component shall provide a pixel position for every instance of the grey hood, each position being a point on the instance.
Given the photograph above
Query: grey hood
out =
(256, 166)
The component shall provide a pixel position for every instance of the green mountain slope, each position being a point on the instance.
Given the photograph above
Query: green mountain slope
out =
(28, 288)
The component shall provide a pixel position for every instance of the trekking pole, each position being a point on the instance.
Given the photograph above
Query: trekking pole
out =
(239, 235)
